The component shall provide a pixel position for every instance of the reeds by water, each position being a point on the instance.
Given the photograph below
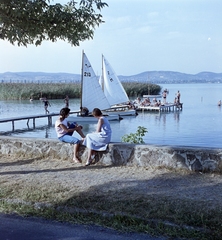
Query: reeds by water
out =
(20, 91)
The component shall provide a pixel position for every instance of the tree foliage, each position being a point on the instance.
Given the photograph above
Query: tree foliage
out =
(32, 21)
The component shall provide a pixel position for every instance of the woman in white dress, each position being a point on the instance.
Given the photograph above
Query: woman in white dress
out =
(99, 140)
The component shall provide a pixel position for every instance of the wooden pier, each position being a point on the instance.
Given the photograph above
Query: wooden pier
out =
(32, 117)
(167, 107)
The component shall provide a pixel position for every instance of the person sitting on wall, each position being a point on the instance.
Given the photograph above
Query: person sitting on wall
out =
(65, 131)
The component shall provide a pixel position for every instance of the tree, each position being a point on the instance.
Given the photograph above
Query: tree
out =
(32, 21)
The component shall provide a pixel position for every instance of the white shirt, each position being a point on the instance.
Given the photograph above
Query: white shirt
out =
(60, 132)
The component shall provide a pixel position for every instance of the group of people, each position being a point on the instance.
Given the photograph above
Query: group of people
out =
(96, 141)
(147, 102)
(156, 103)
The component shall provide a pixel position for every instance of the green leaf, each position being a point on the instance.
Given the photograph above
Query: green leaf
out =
(135, 137)
(26, 22)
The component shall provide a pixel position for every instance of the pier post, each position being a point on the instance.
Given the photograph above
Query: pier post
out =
(49, 120)
(13, 126)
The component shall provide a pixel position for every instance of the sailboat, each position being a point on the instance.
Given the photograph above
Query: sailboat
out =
(114, 91)
(92, 96)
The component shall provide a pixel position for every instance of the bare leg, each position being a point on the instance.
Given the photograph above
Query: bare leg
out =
(93, 154)
(79, 131)
(89, 159)
(89, 154)
(46, 109)
(75, 153)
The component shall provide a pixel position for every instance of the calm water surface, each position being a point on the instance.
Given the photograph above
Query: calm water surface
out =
(198, 124)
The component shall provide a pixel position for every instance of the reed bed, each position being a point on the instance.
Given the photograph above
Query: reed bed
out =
(21, 91)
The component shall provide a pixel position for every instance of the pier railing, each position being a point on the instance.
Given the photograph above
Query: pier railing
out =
(31, 117)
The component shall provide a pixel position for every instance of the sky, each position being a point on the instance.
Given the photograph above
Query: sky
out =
(137, 36)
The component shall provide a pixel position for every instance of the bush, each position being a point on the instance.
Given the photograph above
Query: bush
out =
(137, 137)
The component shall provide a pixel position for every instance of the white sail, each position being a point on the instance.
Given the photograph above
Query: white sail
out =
(101, 81)
(92, 93)
(112, 87)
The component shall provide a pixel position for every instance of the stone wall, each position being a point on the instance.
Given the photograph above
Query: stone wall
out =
(194, 159)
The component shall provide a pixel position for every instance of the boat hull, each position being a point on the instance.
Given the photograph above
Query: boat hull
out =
(80, 119)
(122, 113)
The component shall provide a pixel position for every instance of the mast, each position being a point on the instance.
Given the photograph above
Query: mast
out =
(102, 76)
(148, 81)
(81, 86)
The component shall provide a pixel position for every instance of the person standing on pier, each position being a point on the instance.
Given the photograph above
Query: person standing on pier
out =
(64, 132)
(178, 97)
(46, 104)
(66, 100)
(164, 95)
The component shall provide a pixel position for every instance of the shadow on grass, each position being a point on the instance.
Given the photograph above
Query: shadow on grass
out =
(30, 161)
(179, 205)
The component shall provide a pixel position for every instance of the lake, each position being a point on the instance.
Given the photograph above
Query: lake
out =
(198, 124)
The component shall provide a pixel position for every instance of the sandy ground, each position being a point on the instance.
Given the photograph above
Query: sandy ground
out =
(71, 177)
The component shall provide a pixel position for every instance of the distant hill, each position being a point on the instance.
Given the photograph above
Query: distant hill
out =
(157, 77)
(38, 77)
(174, 77)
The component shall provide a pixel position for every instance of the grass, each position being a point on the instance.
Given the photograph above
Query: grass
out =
(119, 209)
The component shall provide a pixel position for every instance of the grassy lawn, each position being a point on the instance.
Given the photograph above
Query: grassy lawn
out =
(119, 208)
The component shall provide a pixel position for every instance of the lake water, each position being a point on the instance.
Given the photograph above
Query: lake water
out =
(198, 124)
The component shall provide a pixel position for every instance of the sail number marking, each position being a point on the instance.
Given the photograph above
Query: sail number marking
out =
(87, 74)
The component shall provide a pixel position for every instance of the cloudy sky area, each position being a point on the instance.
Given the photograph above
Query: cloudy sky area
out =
(137, 36)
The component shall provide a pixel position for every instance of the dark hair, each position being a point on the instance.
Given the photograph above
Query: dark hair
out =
(96, 112)
(64, 112)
